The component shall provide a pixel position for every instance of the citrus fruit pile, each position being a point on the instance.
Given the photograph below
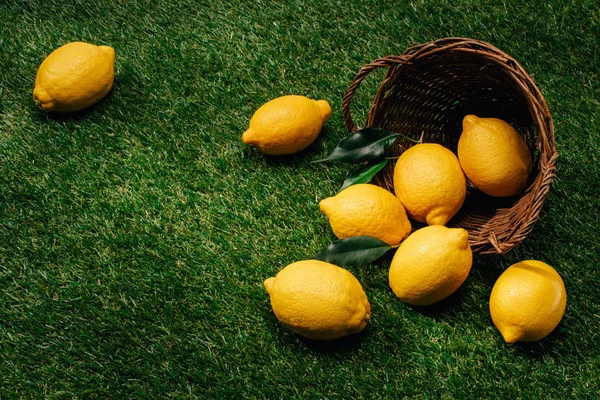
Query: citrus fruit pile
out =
(322, 301)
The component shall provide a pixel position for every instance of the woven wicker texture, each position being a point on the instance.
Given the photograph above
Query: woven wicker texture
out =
(428, 90)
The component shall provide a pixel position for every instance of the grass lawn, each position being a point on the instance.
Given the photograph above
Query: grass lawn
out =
(135, 236)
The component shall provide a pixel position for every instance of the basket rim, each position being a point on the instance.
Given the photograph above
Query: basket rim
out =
(531, 201)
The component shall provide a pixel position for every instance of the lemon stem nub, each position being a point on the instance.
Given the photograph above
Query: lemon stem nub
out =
(470, 120)
(326, 204)
(511, 335)
(247, 136)
(109, 51)
(268, 283)
(325, 110)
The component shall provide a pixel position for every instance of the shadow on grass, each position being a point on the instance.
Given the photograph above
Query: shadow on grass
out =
(346, 343)
(443, 309)
(74, 116)
(484, 272)
(303, 157)
(487, 268)
(550, 345)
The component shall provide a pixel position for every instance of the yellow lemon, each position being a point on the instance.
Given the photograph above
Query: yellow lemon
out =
(286, 124)
(494, 156)
(430, 265)
(365, 209)
(318, 300)
(429, 182)
(528, 301)
(74, 77)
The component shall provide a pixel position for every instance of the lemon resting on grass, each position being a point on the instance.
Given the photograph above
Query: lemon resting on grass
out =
(528, 301)
(369, 210)
(74, 77)
(318, 300)
(494, 156)
(430, 265)
(287, 124)
(430, 183)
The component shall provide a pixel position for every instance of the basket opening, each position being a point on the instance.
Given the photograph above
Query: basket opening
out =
(429, 89)
(431, 96)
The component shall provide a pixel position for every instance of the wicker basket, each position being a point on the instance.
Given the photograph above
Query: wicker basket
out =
(426, 93)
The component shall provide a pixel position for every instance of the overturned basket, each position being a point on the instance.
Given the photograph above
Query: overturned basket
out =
(426, 93)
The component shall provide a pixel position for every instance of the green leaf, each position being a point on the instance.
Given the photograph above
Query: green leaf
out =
(355, 251)
(365, 144)
(364, 175)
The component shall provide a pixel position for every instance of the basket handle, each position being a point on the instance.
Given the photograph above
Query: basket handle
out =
(384, 62)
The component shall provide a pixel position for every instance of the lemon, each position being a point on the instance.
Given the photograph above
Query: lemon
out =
(74, 77)
(365, 209)
(430, 184)
(286, 124)
(318, 300)
(430, 265)
(494, 156)
(528, 301)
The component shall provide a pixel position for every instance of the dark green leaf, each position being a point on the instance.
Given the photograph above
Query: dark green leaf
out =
(355, 250)
(364, 175)
(365, 144)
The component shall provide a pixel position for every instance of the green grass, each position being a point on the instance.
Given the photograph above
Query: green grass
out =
(135, 236)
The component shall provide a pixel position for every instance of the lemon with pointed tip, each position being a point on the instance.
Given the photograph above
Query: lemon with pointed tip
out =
(430, 184)
(528, 301)
(287, 124)
(430, 265)
(74, 77)
(366, 209)
(494, 156)
(318, 300)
